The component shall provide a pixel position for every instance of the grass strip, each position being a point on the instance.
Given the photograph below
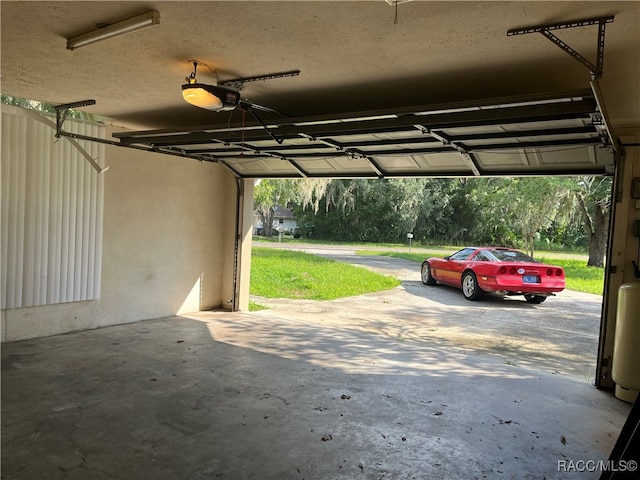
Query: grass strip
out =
(278, 273)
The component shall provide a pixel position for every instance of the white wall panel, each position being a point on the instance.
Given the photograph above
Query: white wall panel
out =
(51, 217)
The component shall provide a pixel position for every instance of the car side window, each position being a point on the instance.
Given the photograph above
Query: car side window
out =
(462, 254)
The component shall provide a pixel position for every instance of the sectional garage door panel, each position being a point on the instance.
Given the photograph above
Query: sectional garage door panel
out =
(583, 160)
(561, 134)
(256, 166)
(444, 163)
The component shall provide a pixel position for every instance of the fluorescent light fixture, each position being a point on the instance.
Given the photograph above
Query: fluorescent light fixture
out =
(120, 28)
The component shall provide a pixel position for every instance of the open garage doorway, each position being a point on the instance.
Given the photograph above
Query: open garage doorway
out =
(545, 135)
(559, 336)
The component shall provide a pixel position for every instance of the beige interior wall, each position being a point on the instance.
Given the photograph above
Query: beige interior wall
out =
(168, 228)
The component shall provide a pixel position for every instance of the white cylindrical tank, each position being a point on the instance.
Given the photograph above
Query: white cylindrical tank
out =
(626, 348)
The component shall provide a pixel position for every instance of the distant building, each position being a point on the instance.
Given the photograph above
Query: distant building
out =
(282, 218)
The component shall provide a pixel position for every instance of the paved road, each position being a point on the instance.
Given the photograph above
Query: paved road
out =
(558, 336)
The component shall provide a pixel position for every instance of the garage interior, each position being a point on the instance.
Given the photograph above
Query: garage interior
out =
(143, 211)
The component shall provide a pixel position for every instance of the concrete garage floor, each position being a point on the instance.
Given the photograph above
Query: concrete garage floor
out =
(239, 397)
(279, 395)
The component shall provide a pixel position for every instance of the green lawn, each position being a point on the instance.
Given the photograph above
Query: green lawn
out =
(277, 273)
(579, 277)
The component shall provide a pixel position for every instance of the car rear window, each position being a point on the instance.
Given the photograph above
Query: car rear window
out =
(483, 257)
(509, 256)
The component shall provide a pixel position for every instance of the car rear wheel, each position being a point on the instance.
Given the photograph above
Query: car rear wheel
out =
(425, 273)
(470, 288)
(531, 298)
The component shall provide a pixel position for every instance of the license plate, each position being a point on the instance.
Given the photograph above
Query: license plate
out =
(530, 279)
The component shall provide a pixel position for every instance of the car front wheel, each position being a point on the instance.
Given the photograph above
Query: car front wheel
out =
(427, 279)
(470, 288)
(531, 298)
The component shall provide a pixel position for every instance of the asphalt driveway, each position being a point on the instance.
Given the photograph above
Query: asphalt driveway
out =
(559, 336)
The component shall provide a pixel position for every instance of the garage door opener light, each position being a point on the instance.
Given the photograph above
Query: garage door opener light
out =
(209, 97)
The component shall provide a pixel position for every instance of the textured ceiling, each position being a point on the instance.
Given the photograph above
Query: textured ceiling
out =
(352, 55)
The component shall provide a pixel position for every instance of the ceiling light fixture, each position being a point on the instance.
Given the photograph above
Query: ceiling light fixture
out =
(209, 97)
(116, 29)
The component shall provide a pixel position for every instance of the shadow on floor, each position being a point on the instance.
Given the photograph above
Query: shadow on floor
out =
(244, 396)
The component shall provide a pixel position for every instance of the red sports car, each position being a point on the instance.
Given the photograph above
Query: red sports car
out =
(494, 269)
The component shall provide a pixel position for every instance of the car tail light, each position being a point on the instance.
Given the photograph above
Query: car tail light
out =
(512, 270)
(549, 272)
(502, 270)
(558, 272)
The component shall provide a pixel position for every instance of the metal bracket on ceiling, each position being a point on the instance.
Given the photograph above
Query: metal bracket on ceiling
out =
(595, 69)
(63, 110)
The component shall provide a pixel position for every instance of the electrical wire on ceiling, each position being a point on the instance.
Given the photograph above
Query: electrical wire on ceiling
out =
(211, 69)
(394, 4)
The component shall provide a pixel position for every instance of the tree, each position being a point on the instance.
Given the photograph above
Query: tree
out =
(369, 210)
(437, 215)
(269, 194)
(535, 202)
(310, 191)
(513, 212)
(512, 209)
(592, 195)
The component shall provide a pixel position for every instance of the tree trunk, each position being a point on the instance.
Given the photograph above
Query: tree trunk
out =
(597, 226)
(267, 221)
(530, 244)
(598, 238)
